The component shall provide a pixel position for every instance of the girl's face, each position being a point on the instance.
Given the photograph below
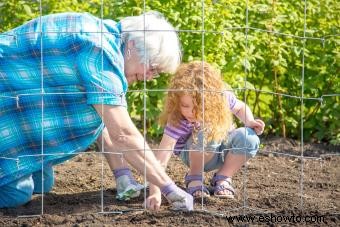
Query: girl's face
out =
(187, 108)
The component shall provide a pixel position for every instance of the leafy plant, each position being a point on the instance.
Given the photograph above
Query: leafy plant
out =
(258, 46)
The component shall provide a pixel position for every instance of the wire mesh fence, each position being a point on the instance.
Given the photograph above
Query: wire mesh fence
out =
(242, 208)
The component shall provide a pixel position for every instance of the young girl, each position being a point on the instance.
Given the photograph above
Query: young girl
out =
(198, 117)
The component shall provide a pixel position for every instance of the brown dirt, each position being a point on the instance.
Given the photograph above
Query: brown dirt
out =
(269, 185)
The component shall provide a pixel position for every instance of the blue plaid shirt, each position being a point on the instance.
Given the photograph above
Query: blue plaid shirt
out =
(81, 64)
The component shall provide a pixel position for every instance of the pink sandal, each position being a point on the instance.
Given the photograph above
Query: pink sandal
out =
(202, 188)
(222, 187)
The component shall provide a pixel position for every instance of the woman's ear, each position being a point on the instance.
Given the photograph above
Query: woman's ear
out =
(131, 44)
(129, 47)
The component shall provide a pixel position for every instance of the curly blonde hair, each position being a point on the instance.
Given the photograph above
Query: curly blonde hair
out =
(199, 79)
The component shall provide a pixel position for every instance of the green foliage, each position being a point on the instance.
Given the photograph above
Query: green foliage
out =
(258, 58)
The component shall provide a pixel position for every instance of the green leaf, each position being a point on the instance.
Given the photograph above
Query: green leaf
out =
(246, 64)
(27, 9)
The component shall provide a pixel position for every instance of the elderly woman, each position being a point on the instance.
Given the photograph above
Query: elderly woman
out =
(63, 81)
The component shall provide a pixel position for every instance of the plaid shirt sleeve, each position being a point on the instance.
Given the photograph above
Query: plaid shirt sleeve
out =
(100, 64)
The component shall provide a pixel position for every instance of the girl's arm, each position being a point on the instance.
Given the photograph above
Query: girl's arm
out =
(243, 112)
(163, 155)
(166, 148)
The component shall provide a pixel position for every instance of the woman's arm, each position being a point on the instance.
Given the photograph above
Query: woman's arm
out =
(127, 139)
(166, 147)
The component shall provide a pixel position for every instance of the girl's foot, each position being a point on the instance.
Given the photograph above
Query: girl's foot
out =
(195, 187)
(222, 186)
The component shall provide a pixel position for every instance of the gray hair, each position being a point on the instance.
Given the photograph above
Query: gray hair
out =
(162, 47)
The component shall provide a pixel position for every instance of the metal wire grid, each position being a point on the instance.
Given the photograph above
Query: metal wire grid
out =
(244, 207)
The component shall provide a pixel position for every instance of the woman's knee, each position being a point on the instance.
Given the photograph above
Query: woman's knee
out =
(16, 193)
(245, 141)
(45, 185)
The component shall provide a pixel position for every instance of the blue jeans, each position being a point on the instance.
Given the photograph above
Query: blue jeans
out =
(20, 191)
(241, 141)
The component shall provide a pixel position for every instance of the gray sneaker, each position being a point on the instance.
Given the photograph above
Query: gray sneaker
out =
(127, 187)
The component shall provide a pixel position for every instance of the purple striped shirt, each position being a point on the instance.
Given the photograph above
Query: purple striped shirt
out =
(183, 132)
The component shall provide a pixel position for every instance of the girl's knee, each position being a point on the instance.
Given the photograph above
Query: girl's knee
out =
(245, 141)
(199, 142)
(16, 193)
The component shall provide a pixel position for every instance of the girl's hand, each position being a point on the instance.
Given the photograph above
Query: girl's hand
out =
(153, 202)
(257, 124)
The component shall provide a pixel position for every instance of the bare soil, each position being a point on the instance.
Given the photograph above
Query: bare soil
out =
(275, 184)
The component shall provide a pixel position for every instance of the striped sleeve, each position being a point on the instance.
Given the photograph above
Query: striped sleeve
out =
(173, 132)
(231, 99)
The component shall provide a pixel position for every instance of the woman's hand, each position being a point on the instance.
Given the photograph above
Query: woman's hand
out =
(257, 124)
(154, 200)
